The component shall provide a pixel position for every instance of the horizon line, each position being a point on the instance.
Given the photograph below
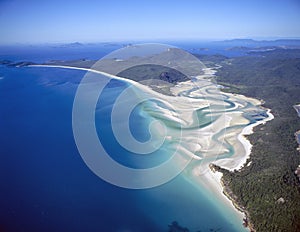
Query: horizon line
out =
(254, 38)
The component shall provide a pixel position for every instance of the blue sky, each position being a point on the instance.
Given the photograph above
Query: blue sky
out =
(33, 21)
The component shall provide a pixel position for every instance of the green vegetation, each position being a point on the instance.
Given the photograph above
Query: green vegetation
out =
(82, 63)
(150, 72)
(268, 188)
(231, 88)
(158, 77)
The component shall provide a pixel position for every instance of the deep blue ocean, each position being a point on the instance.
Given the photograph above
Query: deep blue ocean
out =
(46, 186)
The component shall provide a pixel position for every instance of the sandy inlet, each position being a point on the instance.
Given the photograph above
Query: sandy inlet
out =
(204, 124)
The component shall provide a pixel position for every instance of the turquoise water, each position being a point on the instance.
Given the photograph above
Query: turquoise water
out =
(48, 187)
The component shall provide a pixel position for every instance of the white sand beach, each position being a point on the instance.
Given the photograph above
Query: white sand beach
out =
(220, 141)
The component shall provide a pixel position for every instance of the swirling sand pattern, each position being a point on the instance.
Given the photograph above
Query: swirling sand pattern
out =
(196, 126)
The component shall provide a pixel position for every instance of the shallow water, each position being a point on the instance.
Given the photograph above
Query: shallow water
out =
(48, 187)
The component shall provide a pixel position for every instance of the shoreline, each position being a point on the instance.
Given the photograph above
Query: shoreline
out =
(211, 179)
(213, 174)
(246, 143)
(215, 177)
(244, 161)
